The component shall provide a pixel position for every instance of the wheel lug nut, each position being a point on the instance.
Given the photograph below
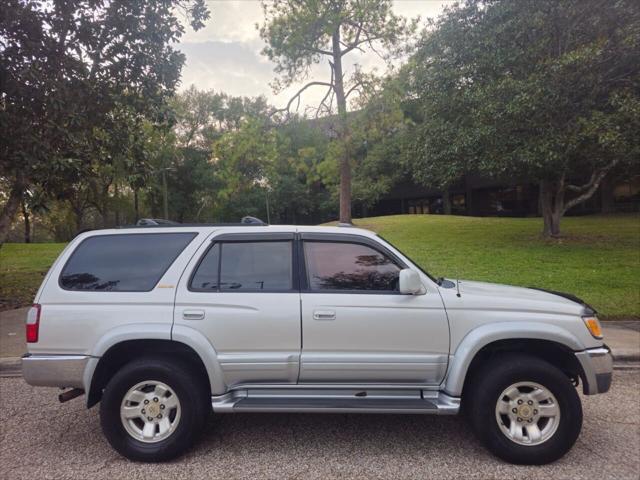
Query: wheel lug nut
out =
(514, 410)
(143, 412)
(149, 418)
(530, 402)
(519, 402)
(155, 399)
(535, 412)
(146, 402)
(162, 406)
(519, 419)
(530, 420)
(159, 415)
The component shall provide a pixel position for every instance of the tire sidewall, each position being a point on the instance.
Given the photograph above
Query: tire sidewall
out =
(192, 412)
(525, 369)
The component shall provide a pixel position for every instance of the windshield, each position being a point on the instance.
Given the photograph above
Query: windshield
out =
(433, 279)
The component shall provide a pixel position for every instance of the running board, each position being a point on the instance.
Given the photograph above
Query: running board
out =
(336, 401)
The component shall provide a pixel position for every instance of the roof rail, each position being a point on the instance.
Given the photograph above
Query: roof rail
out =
(248, 220)
(160, 223)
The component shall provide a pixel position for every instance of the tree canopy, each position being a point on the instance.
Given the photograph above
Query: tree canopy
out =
(543, 89)
(300, 34)
(66, 68)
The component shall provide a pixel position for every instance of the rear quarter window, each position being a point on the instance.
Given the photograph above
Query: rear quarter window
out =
(122, 263)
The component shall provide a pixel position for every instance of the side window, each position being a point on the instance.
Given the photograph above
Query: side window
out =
(124, 263)
(206, 276)
(245, 266)
(349, 266)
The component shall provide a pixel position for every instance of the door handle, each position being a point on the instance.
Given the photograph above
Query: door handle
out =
(324, 315)
(193, 314)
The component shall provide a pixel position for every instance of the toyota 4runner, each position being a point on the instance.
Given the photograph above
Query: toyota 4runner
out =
(163, 324)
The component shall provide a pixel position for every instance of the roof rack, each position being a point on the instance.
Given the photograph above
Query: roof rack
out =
(161, 223)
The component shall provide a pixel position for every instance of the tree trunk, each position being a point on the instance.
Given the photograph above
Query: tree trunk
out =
(136, 206)
(78, 211)
(446, 202)
(116, 202)
(10, 208)
(345, 165)
(550, 214)
(606, 196)
(552, 197)
(165, 194)
(27, 223)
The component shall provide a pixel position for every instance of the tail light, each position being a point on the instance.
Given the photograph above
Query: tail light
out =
(33, 323)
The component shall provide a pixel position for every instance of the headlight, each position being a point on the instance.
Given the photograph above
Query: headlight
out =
(593, 325)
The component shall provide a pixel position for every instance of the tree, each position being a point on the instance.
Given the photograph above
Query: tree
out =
(539, 89)
(242, 160)
(64, 67)
(301, 33)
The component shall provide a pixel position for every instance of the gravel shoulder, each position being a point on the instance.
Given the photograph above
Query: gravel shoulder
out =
(40, 438)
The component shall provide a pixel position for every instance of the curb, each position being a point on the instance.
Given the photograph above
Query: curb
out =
(10, 367)
(625, 356)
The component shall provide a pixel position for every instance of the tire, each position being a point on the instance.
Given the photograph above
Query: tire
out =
(173, 383)
(526, 379)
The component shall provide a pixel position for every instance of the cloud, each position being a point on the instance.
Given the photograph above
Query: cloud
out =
(232, 67)
(225, 54)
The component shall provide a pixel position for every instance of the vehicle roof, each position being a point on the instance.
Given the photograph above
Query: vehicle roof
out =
(235, 228)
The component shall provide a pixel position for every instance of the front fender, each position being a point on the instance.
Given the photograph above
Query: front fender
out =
(481, 336)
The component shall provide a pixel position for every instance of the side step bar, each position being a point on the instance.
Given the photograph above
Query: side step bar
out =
(317, 401)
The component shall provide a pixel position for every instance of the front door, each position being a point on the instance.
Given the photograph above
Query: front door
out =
(241, 292)
(357, 327)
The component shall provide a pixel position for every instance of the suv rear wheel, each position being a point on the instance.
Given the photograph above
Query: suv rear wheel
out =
(524, 409)
(153, 409)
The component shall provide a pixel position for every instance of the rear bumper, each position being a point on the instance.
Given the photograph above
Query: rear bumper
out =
(597, 366)
(54, 370)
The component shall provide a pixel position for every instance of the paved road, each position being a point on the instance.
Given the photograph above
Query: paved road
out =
(40, 438)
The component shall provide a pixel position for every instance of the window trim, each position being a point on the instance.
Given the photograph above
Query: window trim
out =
(171, 263)
(271, 237)
(345, 238)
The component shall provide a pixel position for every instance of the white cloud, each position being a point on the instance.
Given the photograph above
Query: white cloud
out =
(225, 54)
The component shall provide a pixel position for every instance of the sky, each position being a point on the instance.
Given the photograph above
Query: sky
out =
(225, 54)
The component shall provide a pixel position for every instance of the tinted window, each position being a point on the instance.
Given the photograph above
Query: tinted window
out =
(349, 266)
(206, 276)
(132, 262)
(256, 266)
(245, 266)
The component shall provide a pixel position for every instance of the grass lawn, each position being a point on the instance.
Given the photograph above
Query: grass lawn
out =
(22, 268)
(597, 260)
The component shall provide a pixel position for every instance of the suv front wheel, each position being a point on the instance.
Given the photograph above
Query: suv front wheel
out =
(153, 409)
(524, 410)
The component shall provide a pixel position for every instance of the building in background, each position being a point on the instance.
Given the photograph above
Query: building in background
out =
(477, 196)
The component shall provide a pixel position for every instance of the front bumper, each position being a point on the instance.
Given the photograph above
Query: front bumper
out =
(54, 370)
(597, 367)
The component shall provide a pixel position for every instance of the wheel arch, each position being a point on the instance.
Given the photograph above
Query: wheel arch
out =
(117, 350)
(546, 341)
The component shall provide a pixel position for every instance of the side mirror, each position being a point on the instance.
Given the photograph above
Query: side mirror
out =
(410, 282)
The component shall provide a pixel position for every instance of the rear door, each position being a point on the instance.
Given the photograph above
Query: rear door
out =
(357, 327)
(241, 291)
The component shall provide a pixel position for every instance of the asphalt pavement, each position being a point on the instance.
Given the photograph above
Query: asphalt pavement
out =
(41, 438)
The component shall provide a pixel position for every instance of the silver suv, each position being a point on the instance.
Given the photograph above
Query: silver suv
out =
(164, 324)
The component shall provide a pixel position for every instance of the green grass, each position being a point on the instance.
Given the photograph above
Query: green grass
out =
(22, 268)
(598, 259)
